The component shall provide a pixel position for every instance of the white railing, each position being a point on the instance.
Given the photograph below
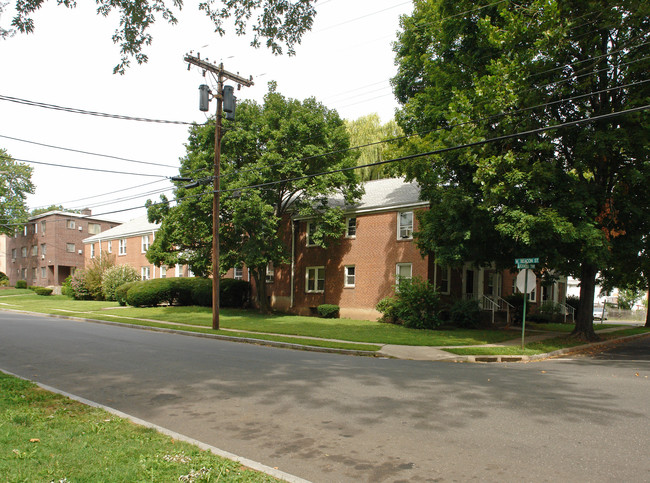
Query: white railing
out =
(488, 304)
(568, 310)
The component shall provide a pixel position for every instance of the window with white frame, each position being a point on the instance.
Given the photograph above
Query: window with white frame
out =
(145, 273)
(69, 247)
(43, 249)
(311, 229)
(13, 253)
(145, 243)
(405, 225)
(443, 275)
(43, 272)
(35, 228)
(351, 227)
(43, 225)
(92, 250)
(25, 230)
(403, 271)
(350, 276)
(270, 273)
(238, 273)
(121, 246)
(34, 273)
(179, 270)
(34, 250)
(23, 273)
(69, 224)
(315, 280)
(94, 228)
(109, 246)
(23, 252)
(163, 271)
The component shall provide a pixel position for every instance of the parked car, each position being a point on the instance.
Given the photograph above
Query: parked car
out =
(600, 313)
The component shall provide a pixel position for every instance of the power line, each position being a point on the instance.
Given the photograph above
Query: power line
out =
(89, 169)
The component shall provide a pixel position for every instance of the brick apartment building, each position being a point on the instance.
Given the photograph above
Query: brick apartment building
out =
(375, 251)
(128, 243)
(50, 247)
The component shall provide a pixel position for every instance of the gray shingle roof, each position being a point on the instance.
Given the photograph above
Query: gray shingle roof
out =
(384, 194)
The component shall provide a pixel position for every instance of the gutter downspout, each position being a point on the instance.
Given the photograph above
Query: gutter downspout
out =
(293, 260)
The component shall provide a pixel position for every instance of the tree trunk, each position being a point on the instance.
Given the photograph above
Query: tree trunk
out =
(260, 284)
(647, 308)
(584, 328)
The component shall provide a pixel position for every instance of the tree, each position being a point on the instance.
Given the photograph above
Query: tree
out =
(15, 185)
(368, 131)
(272, 158)
(469, 72)
(279, 23)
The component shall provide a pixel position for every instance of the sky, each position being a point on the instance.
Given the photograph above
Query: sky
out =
(346, 62)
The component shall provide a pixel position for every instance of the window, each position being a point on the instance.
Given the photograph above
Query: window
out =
(145, 243)
(238, 273)
(69, 224)
(403, 271)
(270, 272)
(145, 273)
(23, 274)
(25, 230)
(43, 272)
(35, 228)
(92, 250)
(13, 253)
(43, 249)
(23, 252)
(34, 250)
(94, 228)
(351, 228)
(121, 246)
(405, 225)
(179, 271)
(69, 247)
(109, 246)
(34, 273)
(349, 280)
(442, 280)
(163, 271)
(311, 229)
(315, 278)
(43, 227)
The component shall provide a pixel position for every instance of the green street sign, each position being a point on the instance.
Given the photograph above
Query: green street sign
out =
(525, 265)
(519, 261)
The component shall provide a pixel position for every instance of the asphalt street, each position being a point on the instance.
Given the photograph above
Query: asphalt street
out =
(328, 417)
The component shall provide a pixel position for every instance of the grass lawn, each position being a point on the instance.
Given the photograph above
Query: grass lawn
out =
(353, 331)
(47, 437)
(567, 327)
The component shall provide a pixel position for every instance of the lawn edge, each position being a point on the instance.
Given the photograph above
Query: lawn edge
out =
(254, 465)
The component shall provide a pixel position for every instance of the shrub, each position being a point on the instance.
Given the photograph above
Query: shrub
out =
(78, 286)
(202, 292)
(3, 277)
(21, 284)
(149, 293)
(234, 293)
(328, 311)
(95, 273)
(32, 288)
(116, 276)
(548, 312)
(43, 291)
(416, 305)
(517, 301)
(465, 314)
(121, 291)
(573, 301)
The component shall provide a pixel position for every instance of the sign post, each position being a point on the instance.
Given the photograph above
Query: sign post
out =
(525, 263)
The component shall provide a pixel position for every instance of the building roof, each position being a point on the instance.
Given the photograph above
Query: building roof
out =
(135, 227)
(70, 214)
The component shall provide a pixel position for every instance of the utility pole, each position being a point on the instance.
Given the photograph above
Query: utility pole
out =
(221, 75)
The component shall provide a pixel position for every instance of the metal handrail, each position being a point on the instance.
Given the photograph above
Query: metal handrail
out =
(568, 310)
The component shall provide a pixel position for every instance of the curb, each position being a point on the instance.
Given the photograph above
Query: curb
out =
(254, 465)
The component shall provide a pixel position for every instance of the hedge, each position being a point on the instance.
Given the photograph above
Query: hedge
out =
(43, 291)
(21, 284)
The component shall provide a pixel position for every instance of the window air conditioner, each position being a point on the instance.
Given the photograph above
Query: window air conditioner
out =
(81, 228)
(81, 252)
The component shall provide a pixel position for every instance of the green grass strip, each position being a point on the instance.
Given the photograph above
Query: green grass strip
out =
(47, 437)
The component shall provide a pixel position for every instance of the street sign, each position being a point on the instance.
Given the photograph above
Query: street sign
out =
(526, 260)
(526, 285)
(521, 266)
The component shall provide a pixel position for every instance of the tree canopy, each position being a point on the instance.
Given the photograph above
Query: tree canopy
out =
(272, 158)
(15, 185)
(279, 24)
(470, 71)
(371, 134)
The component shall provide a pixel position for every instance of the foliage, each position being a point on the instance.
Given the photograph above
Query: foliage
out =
(78, 286)
(15, 185)
(328, 311)
(122, 290)
(115, 276)
(21, 284)
(628, 297)
(416, 305)
(234, 293)
(278, 24)
(94, 275)
(66, 287)
(563, 195)
(43, 291)
(465, 314)
(171, 291)
(548, 312)
(281, 142)
(3, 276)
(40, 211)
(368, 131)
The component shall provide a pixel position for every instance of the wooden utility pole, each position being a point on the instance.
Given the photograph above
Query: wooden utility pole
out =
(221, 75)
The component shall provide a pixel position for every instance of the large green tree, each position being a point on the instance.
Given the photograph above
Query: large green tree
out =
(15, 185)
(375, 142)
(470, 71)
(278, 23)
(272, 158)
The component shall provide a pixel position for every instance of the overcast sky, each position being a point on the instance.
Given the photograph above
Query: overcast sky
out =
(346, 62)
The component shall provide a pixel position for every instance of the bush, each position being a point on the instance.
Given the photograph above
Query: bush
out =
(94, 275)
(328, 311)
(573, 301)
(416, 305)
(548, 312)
(32, 288)
(121, 291)
(43, 291)
(465, 314)
(233, 293)
(78, 286)
(3, 277)
(173, 291)
(21, 284)
(116, 276)
(388, 309)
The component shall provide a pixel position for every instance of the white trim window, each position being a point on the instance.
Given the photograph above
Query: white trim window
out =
(43, 272)
(349, 279)
(315, 280)
(69, 247)
(34, 250)
(238, 273)
(270, 272)
(443, 275)
(179, 271)
(145, 243)
(403, 271)
(92, 250)
(43, 249)
(163, 271)
(405, 225)
(121, 246)
(23, 252)
(145, 272)
(309, 234)
(69, 224)
(351, 227)
(94, 228)
(109, 246)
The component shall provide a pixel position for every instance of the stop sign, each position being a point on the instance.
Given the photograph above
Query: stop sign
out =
(521, 280)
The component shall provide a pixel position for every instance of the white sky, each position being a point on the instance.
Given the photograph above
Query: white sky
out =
(346, 62)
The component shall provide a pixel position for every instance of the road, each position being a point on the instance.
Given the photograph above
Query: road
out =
(328, 418)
